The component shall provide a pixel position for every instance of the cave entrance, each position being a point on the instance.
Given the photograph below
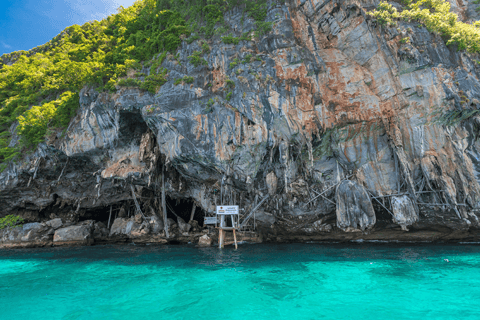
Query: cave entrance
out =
(382, 216)
(99, 214)
(183, 209)
(132, 127)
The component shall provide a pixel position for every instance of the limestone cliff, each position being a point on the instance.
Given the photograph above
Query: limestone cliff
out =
(327, 96)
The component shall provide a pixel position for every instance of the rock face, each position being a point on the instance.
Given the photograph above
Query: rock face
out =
(55, 223)
(404, 211)
(136, 227)
(205, 241)
(272, 183)
(327, 96)
(354, 208)
(80, 234)
(37, 233)
(318, 226)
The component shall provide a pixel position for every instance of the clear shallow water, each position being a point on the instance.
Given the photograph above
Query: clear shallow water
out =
(293, 281)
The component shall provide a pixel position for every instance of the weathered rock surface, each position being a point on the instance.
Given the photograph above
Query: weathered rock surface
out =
(55, 223)
(183, 226)
(205, 241)
(404, 211)
(354, 207)
(100, 231)
(156, 225)
(35, 233)
(327, 96)
(79, 233)
(318, 226)
(136, 227)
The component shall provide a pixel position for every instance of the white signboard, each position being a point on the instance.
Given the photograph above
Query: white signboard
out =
(210, 220)
(227, 210)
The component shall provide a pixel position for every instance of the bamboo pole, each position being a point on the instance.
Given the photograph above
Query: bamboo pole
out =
(235, 239)
(109, 217)
(194, 207)
(221, 233)
(164, 206)
(324, 197)
(137, 206)
(380, 204)
(220, 238)
(327, 190)
(252, 212)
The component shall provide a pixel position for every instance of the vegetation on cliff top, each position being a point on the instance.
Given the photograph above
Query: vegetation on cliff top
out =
(40, 89)
(437, 18)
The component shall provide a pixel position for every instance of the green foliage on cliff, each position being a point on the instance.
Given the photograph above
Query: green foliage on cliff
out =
(196, 59)
(34, 123)
(40, 89)
(10, 221)
(437, 18)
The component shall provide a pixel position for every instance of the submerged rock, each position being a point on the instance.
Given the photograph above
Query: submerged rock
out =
(354, 207)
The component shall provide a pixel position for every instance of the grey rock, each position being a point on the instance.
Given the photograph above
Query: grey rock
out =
(171, 223)
(183, 226)
(129, 228)
(318, 226)
(272, 183)
(121, 213)
(404, 211)
(138, 218)
(55, 223)
(120, 227)
(100, 230)
(327, 93)
(156, 224)
(263, 217)
(29, 232)
(79, 233)
(205, 241)
(354, 207)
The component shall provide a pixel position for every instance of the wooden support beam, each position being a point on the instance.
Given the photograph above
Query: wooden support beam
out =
(252, 212)
(164, 206)
(381, 204)
(402, 194)
(327, 190)
(442, 204)
(235, 239)
(136, 202)
(324, 197)
(109, 217)
(194, 207)
(221, 236)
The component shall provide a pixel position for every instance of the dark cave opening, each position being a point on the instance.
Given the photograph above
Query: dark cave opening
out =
(175, 207)
(183, 209)
(382, 215)
(132, 127)
(100, 214)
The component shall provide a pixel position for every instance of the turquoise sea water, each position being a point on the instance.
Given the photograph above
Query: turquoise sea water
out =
(291, 281)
